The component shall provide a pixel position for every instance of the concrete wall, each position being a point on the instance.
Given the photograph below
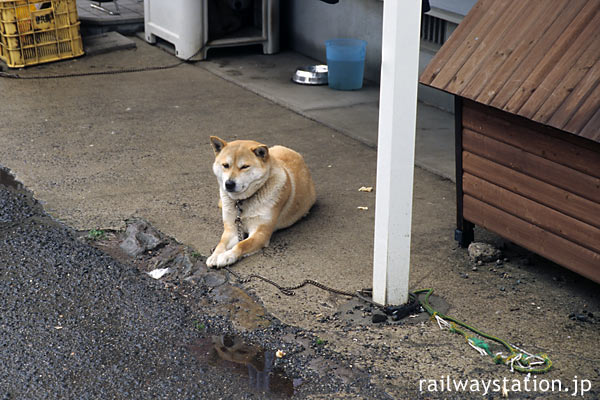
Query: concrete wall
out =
(307, 24)
(429, 95)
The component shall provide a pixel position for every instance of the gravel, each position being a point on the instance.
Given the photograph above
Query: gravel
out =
(15, 205)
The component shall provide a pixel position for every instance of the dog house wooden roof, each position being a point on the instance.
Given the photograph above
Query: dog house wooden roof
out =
(536, 59)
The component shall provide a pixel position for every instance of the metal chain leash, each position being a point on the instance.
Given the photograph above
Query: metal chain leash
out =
(365, 295)
(238, 220)
(289, 290)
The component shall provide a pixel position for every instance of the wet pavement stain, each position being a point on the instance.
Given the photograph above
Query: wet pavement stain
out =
(7, 179)
(185, 267)
(245, 312)
(230, 354)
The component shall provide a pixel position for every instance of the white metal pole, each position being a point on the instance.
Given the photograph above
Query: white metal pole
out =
(396, 150)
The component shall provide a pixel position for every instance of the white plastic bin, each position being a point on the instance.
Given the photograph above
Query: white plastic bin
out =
(184, 23)
(179, 22)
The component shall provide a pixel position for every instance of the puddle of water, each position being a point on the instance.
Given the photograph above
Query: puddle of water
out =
(256, 364)
(7, 179)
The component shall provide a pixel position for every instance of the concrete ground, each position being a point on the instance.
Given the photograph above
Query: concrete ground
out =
(98, 150)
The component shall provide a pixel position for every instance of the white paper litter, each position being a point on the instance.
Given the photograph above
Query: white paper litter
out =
(159, 272)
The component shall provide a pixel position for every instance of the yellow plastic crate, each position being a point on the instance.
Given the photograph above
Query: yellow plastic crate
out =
(38, 31)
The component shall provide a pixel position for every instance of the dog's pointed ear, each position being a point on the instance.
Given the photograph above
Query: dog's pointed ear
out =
(217, 144)
(261, 152)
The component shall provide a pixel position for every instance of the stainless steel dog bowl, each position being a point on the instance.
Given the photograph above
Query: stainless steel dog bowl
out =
(311, 75)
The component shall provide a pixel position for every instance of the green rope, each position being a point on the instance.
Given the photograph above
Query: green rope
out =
(482, 344)
(518, 359)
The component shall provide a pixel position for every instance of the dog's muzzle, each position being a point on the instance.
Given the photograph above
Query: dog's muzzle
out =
(230, 185)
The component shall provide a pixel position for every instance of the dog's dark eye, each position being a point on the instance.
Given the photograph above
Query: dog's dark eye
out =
(226, 166)
(244, 166)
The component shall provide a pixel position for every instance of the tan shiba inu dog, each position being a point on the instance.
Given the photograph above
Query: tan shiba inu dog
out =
(262, 189)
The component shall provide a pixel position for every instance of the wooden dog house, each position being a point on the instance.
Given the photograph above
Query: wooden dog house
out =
(526, 80)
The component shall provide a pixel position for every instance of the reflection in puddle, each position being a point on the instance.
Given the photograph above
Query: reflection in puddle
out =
(231, 353)
(7, 179)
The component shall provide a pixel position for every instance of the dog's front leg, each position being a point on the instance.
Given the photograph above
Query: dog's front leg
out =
(255, 241)
(228, 240)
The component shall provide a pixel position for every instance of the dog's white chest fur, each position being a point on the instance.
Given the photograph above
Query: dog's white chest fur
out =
(258, 208)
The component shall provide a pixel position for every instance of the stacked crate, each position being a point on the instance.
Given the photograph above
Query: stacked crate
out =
(38, 31)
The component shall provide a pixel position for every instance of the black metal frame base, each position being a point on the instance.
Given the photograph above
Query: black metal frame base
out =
(463, 234)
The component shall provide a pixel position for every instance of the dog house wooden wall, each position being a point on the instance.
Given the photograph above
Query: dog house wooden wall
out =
(526, 78)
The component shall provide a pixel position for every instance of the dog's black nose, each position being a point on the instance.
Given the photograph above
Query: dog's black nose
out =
(230, 185)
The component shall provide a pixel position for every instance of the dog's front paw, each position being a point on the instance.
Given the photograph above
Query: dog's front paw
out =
(224, 259)
(212, 260)
(217, 260)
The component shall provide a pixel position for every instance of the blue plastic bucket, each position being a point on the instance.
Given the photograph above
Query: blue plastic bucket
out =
(346, 63)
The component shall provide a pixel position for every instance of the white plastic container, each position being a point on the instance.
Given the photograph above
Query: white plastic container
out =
(179, 22)
(184, 24)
